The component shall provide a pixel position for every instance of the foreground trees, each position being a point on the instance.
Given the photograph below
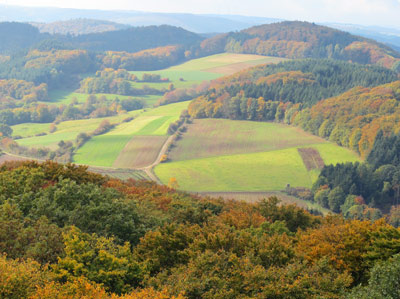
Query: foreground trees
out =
(68, 233)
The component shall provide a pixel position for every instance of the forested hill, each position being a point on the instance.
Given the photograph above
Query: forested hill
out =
(303, 40)
(136, 39)
(18, 36)
(297, 92)
(79, 26)
(298, 82)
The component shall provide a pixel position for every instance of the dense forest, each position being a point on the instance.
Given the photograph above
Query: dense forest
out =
(18, 36)
(69, 233)
(266, 92)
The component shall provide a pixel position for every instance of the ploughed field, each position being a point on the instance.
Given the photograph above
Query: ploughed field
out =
(227, 155)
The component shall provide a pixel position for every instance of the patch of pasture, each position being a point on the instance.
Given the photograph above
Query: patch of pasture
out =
(140, 151)
(66, 97)
(266, 171)
(213, 137)
(29, 129)
(104, 150)
(66, 131)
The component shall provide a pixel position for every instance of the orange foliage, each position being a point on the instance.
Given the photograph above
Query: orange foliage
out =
(241, 215)
(343, 244)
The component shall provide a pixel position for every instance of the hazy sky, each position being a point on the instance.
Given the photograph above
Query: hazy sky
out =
(369, 12)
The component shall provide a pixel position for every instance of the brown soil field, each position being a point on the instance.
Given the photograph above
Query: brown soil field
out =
(311, 158)
(140, 152)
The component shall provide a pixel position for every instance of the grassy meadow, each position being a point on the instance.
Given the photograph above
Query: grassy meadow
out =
(66, 131)
(245, 156)
(105, 149)
(203, 69)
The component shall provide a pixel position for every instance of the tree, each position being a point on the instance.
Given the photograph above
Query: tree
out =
(100, 260)
(173, 183)
(336, 198)
(383, 283)
(5, 130)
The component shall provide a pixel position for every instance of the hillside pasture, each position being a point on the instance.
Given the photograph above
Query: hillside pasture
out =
(66, 131)
(104, 150)
(267, 171)
(140, 151)
(221, 155)
(213, 137)
(204, 69)
(66, 97)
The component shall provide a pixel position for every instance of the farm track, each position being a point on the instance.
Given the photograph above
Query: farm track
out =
(149, 169)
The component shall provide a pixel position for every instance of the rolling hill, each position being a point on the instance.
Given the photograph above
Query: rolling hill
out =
(303, 40)
(17, 36)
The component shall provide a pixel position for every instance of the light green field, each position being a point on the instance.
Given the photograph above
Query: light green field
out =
(66, 131)
(67, 96)
(225, 155)
(247, 172)
(214, 137)
(203, 69)
(267, 171)
(29, 129)
(104, 150)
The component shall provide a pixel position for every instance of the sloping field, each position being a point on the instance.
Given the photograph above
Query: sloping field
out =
(267, 171)
(67, 130)
(214, 137)
(104, 150)
(225, 155)
(140, 151)
(65, 96)
(206, 68)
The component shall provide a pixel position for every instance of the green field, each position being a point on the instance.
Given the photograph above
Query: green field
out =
(207, 68)
(104, 150)
(208, 138)
(260, 157)
(66, 131)
(61, 96)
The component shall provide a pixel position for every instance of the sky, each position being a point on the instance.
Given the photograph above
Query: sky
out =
(365, 12)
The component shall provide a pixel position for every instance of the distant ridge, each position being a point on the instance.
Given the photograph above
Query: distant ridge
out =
(192, 22)
(79, 26)
(296, 40)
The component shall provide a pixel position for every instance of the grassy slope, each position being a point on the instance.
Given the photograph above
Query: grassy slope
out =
(207, 68)
(67, 130)
(214, 137)
(193, 72)
(65, 97)
(253, 169)
(103, 150)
